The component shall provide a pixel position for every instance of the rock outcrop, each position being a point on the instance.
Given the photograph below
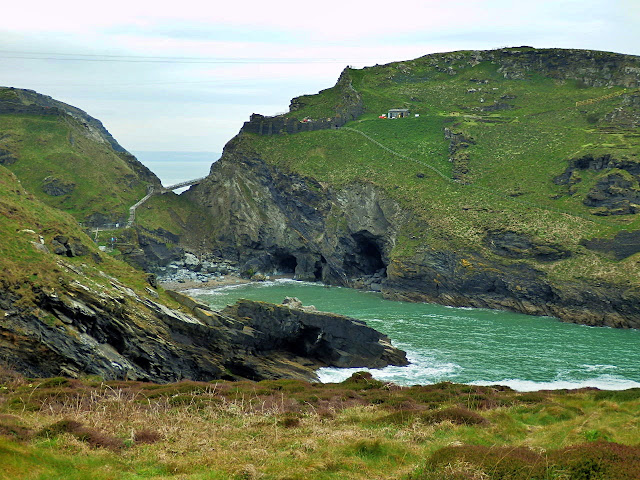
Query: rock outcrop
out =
(326, 338)
(349, 108)
(275, 222)
(120, 334)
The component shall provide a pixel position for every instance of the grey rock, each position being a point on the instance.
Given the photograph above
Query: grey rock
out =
(56, 187)
(191, 262)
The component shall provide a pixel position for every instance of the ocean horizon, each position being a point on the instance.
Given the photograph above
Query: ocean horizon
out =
(177, 166)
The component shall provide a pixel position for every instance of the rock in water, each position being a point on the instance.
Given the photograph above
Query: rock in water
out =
(325, 338)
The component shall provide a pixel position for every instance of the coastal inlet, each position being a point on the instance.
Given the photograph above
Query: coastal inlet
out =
(466, 345)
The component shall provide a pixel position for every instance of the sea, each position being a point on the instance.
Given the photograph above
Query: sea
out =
(176, 167)
(464, 345)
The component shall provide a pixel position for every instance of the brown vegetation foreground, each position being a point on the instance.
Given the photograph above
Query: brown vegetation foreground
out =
(359, 429)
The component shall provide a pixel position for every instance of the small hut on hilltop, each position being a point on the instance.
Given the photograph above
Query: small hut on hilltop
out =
(398, 113)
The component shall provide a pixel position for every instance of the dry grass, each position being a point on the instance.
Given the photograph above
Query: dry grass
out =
(360, 429)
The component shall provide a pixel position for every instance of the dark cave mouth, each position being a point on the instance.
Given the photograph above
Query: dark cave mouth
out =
(284, 263)
(366, 258)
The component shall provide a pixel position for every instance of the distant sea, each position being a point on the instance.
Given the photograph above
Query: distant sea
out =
(175, 167)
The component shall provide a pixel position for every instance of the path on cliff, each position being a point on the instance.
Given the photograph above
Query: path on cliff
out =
(479, 187)
(151, 192)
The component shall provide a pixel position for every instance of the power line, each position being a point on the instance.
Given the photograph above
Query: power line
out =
(81, 57)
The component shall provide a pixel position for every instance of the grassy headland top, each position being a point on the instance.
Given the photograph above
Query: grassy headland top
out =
(541, 144)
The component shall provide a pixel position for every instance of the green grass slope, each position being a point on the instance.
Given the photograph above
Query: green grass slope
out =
(523, 115)
(27, 259)
(285, 429)
(67, 162)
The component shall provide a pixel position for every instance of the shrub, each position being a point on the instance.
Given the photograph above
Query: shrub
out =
(401, 417)
(597, 460)
(289, 420)
(456, 415)
(91, 436)
(10, 426)
(369, 449)
(146, 436)
(618, 395)
(495, 462)
(362, 381)
(588, 461)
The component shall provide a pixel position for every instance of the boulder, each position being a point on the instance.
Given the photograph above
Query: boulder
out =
(191, 262)
(63, 245)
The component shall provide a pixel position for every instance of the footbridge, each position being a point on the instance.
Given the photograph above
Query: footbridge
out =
(186, 183)
(151, 191)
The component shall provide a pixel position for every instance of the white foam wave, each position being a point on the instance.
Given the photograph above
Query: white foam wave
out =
(253, 285)
(419, 372)
(604, 382)
(214, 291)
(597, 368)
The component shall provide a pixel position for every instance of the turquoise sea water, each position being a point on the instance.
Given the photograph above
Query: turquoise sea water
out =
(467, 345)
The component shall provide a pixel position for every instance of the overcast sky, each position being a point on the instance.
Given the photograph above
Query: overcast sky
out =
(185, 76)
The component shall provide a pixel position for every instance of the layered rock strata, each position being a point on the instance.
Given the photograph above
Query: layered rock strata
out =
(122, 335)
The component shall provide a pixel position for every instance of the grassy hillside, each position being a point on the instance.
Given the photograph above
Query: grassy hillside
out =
(520, 126)
(69, 161)
(359, 429)
(27, 259)
(69, 170)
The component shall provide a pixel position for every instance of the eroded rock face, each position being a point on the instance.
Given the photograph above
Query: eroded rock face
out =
(56, 187)
(628, 114)
(623, 245)
(278, 223)
(118, 334)
(517, 245)
(615, 194)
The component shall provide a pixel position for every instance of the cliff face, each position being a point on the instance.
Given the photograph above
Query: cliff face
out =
(284, 223)
(276, 222)
(466, 205)
(123, 335)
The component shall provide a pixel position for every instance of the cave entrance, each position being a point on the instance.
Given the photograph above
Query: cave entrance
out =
(284, 263)
(319, 268)
(366, 257)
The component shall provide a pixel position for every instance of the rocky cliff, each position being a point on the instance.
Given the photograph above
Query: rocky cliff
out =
(119, 334)
(67, 308)
(450, 225)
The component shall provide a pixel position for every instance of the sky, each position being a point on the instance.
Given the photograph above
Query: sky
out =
(184, 76)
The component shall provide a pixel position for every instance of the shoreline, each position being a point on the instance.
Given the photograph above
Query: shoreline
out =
(214, 282)
(211, 283)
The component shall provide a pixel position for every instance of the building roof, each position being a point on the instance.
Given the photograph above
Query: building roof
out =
(398, 109)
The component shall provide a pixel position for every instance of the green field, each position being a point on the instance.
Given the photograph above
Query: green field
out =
(527, 136)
